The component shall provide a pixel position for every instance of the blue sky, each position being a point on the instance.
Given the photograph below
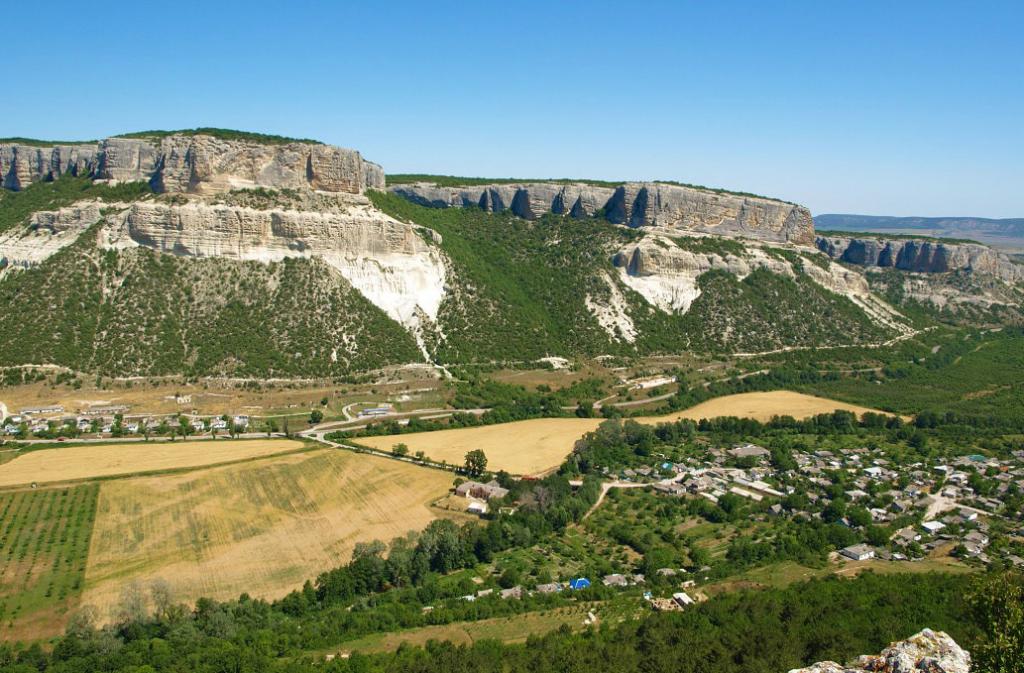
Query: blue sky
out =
(901, 108)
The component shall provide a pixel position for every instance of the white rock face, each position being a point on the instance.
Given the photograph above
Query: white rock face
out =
(612, 315)
(393, 264)
(666, 276)
(928, 651)
(46, 234)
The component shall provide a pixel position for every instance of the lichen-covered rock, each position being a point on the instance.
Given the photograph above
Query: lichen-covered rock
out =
(194, 163)
(921, 256)
(927, 652)
(635, 204)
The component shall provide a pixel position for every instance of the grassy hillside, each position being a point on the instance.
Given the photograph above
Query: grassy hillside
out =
(521, 286)
(518, 290)
(139, 312)
(979, 374)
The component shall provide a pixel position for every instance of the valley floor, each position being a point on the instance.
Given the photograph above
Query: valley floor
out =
(539, 445)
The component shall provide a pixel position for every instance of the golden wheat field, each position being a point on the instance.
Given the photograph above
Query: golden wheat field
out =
(537, 445)
(261, 527)
(762, 406)
(521, 447)
(105, 460)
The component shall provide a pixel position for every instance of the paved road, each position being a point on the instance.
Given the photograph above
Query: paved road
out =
(647, 400)
(107, 440)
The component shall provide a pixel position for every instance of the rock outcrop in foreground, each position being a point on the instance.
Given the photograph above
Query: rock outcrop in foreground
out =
(921, 256)
(635, 204)
(927, 652)
(194, 163)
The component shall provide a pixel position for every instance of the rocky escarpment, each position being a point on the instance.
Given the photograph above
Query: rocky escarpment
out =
(928, 651)
(47, 232)
(394, 265)
(194, 163)
(635, 204)
(922, 256)
(666, 273)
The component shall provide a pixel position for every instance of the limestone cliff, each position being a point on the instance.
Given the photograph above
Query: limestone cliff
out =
(930, 651)
(666, 273)
(21, 165)
(921, 256)
(194, 163)
(394, 265)
(635, 204)
(47, 232)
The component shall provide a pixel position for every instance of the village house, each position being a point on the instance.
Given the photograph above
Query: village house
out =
(550, 588)
(858, 552)
(905, 536)
(749, 451)
(682, 599)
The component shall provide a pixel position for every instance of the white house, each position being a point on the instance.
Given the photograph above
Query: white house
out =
(858, 552)
(682, 599)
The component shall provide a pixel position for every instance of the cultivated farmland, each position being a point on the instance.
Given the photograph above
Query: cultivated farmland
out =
(538, 445)
(522, 447)
(44, 539)
(762, 406)
(261, 527)
(105, 460)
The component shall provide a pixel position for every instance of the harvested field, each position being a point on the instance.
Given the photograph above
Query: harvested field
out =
(537, 445)
(762, 406)
(84, 461)
(261, 527)
(522, 447)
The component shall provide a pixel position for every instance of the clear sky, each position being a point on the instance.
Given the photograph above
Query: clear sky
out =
(901, 108)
